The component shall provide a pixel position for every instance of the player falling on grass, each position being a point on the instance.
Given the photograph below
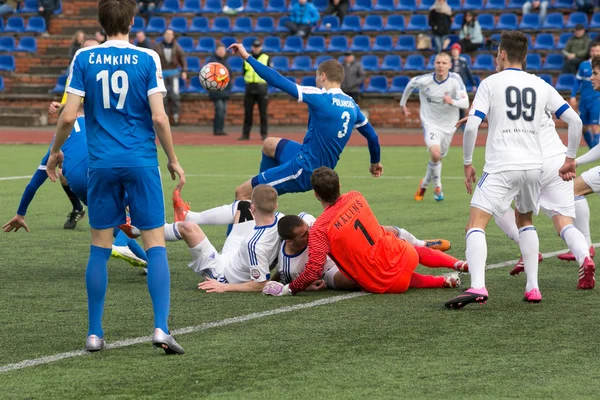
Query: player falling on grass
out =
(294, 254)
(589, 100)
(441, 95)
(514, 102)
(124, 111)
(348, 232)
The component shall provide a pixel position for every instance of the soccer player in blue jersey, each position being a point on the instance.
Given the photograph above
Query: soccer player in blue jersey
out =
(589, 99)
(124, 89)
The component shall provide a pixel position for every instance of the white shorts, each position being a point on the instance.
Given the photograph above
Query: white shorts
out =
(592, 178)
(557, 196)
(495, 192)
(328, 277)
(435, 137)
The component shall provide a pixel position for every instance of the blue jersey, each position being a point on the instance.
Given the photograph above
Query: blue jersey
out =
(583, 82)
(117, 78)
(75, 147)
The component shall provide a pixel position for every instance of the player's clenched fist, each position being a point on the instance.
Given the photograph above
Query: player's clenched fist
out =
(238, 48)
(273, 288)
(376, 170)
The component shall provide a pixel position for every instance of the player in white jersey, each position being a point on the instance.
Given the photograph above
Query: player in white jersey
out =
(441, 95)
(514, 102)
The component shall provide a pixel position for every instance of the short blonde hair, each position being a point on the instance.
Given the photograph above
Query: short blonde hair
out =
(264, 199)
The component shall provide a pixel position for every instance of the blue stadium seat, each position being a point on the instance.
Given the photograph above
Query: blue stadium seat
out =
(7, 63)
(280, 63)
(544, 41)
(468, 85)
(373, 23)
(563, 4)
(178, 24)
(315, 44)
(338, 44)
(199, 25)
(159, 39)
(276, 6)
(1, 24)
(27, 44)
(309, 81)
(467, 58)
(370, 63)
(391, 62)
(272, 44)
(406, 43)
(457, 21)
(331, 20)
(486, 21)
(29, 6)
(182, 85)
(248, 40)
(255, 6)
(191, 6)
(236, 64)
(507, 22)
(193, 64)
(473, 5)
(562, 40)
(319, 60)
(139, 24)
(235, 4)
(377, 84)
(221, 25)
(301, 63)
(194, 86)
(454, 4)
(351, 24)
(484, 62)
(60, 85)
(546, 77)
(417, 22)
(515, 4)
(186, 43)
(565, 82)
(360, 43)
(431, 62)
(554, 61)
(239, 85)
(265, 24)
(414, 62)
(242, 25)
(281, 25)
(320, 4)
(595, 21)
(384, 5)
(212, 6)
(496, 38)
(156, 25)
(228, 40)
(495, 5)
(1, 84)
(530, 21)
(36, 25)
(58, 9)
(576, 18)
(362, 5)
(15, 25)
(453, 39)
(293, 44)
(7, 44)
(425, 5)
(554, 20)
(383, 43)
(395, 23)
(398, 84)
(169, 6)
(533, 62)
(593, 35)
(406, 5)
(206, 44)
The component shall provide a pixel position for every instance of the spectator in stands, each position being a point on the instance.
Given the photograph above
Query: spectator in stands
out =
(460, 66)
(174, 65)
(535, 5)
(256, 92)
(76, 42)
(148, 6)
(220, 98)
(142, 40)
(585, 5)
(338, 8)
(440, 20)
(354, 76)
(8, 7)
(470, 34)
(303, 18)
(100, 36)
(46, 8)
(576, 50)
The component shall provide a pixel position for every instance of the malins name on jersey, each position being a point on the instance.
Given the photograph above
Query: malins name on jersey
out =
(519, 130)
(349, 214)
(343, 103)
(113, 60)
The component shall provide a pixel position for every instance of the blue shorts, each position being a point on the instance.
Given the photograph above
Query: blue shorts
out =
(77, 177)
(107, 191)
(589, 111)
(286, 150)
(289, 177)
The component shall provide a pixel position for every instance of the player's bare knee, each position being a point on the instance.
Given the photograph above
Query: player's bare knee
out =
(524, 219)
(560, 221)
(270, 146)
(190, 232)
(435, 156)
(244, 191)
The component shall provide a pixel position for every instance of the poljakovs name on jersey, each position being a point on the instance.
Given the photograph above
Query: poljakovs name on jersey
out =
(342, 103)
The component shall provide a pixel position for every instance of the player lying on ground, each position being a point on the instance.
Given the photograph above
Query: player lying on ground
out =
(514, 102)
(589, 100)
(294, 253)
(287, 165)
(349, 233)
(441, 95)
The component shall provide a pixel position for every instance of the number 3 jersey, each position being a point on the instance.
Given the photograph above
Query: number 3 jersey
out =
(116, 78)
(515, 103)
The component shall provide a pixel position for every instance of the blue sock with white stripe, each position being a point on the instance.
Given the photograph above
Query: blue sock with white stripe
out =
(529, 244)
(476, 255)
(266, 163)
(159, 285)
(589, 138)
(96, 282)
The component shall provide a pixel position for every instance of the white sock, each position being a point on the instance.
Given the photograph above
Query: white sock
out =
(431, 167)
(409, 237)
(437, 174)
(172, 232)
(576, 242)
(582, 218)
(222, 215)
(476, 254)
(508, 224)
(529, 244)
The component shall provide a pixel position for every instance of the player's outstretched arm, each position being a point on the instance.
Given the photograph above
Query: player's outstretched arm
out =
(412, 85)
(17, 222)
(214, 286)
(369, 133)
(469, 139)
(65, 124)
(589, 157)
(568, 115)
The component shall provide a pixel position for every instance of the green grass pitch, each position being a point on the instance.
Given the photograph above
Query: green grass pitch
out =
(368, 347)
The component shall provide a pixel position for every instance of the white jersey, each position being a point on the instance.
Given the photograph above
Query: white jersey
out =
(435, 114)
(515, 103)
(258, 251)
(552, 145)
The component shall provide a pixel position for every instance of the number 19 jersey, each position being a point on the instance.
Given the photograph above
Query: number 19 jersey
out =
(116, 78)
(515, 102)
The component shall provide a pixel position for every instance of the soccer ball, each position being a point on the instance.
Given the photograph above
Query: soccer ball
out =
(214, 77)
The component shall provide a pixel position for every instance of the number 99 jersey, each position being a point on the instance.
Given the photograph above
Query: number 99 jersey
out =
(515, 102)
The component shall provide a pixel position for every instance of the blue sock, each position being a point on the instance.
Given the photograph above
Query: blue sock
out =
(159, 285)
(123, 240)
(589, 139)
(267, 163)
(96, 282)
(596, 139)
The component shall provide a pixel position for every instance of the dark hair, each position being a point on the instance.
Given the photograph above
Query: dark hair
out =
(514, 43)
(332, 69)
(220, 45)
(288, 225)
(326, 184)
(115, 16)
(596, 62)
(472, 23)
